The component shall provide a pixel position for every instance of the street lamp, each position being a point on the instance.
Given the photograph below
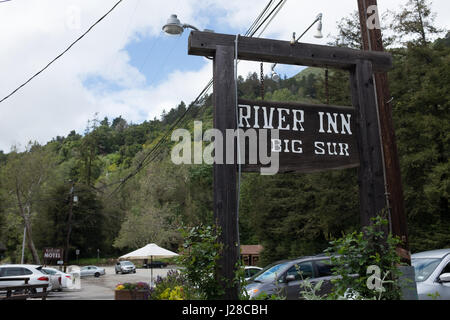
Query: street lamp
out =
(317, 35)
(174, 26)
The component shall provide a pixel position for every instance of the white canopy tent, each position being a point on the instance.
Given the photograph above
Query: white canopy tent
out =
(148, 252)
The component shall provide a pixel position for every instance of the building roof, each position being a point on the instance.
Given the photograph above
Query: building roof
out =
(251, 249)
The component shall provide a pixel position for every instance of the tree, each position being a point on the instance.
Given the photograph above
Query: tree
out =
(420, 84)
(416, 20)
(349, 32)
(23, 177)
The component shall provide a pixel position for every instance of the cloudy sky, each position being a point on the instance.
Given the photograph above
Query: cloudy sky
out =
(126, 66)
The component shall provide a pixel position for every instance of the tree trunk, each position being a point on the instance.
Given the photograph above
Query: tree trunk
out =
(25, 216)
(422, 27)
(30, 242)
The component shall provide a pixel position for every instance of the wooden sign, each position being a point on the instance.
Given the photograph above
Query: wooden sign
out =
(311, 138)
(52, 254)
(328, 139)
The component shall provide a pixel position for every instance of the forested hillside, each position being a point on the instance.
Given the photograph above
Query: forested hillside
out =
(123, 190)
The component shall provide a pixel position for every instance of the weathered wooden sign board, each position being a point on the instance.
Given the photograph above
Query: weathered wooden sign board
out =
(52, 255)
(311, 138)
(365, 127)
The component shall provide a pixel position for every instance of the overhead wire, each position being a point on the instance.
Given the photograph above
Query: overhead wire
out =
(62, 53)
(273, 17)
(153, 153)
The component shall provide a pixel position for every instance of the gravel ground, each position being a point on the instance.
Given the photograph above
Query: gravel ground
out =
(102, 288)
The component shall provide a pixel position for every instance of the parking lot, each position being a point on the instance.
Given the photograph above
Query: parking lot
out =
(102, 288)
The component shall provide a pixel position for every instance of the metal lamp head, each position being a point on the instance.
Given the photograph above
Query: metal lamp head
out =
(275, 75)
(173, 26)
(319, 34)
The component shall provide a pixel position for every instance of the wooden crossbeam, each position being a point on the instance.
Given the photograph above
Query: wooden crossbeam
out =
(276, 51)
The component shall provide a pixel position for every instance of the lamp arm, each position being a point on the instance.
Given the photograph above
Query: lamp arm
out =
(185, 26)
(315, 21)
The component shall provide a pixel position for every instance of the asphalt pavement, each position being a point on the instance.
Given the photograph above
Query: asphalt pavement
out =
(102, 288)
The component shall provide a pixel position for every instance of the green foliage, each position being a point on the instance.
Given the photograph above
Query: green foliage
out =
(201, 251)
(416, 22)
(420, 82)
(294, 215)
(174, 286)
(311, 291)
(354, 253)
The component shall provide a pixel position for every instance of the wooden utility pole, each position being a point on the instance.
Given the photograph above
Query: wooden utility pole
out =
(225, 175)
(373, 41)
(69, 227)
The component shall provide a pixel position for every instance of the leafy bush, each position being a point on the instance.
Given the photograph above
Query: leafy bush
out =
(355, 254)
(199, 261)
(173, 287)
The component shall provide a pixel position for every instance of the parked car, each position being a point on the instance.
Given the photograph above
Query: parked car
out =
(125, 267)
(432, 269)
(284, 278)
(66, 279)
(55, 280)
(92, 271)
(250, 271)
(33, 272)
(156, 264)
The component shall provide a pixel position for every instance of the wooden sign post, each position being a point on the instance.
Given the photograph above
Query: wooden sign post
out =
(361, 66)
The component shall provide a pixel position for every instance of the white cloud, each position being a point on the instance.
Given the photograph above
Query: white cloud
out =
(54, 103)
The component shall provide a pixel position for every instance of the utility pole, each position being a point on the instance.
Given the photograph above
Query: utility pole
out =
(373, 41)
(23, 244)
(69, 226)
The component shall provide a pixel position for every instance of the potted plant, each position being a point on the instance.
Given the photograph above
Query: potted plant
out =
(132, 291)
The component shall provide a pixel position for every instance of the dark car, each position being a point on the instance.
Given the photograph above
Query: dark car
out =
(155, 264)
(284, 278)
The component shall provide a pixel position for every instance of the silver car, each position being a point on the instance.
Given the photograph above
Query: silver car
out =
(125, 267)
(432, 270)
(92, 271)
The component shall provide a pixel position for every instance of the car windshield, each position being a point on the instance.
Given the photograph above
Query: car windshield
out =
(424, 267)
(49, 271)
(271, 273)
(127, 263)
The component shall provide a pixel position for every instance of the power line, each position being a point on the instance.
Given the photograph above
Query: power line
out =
(270, 14)
(62, 53)
(154, 151)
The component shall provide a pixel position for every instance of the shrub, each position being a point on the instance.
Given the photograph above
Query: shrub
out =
(199, 261)
(354, 255)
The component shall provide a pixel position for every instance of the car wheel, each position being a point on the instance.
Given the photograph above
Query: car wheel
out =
(134, 271)
(97, 275)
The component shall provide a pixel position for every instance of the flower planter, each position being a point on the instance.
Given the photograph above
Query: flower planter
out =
(131, 294)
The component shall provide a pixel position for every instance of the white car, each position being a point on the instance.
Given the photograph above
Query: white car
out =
(92, 271)
(65, 278)
(432, 269)
(33, 272)
(55, 280)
